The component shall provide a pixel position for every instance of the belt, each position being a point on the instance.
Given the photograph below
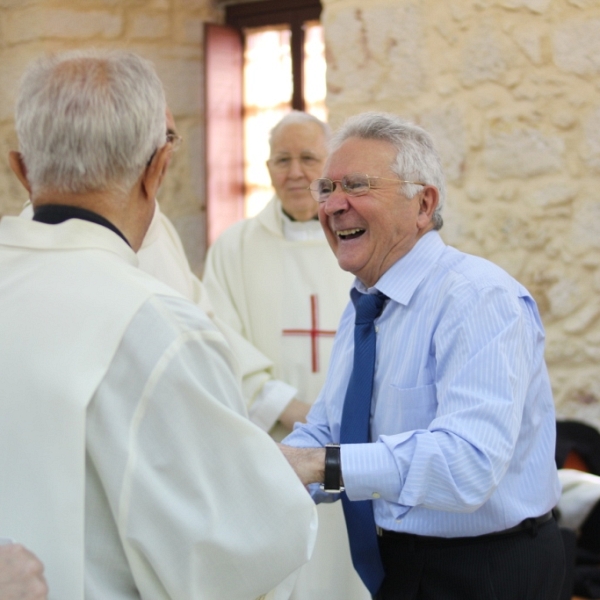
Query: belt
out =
(530, 525)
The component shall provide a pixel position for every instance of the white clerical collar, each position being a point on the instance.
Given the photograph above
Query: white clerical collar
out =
(300, 231)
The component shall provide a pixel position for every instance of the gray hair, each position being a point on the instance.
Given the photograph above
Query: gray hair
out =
(89, 120)
(416, 160)
(297, 117)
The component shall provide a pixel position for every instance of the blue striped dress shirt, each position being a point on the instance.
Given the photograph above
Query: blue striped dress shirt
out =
(462, 418)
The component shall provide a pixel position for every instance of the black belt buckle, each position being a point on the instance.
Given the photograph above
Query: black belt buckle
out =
(531, 525)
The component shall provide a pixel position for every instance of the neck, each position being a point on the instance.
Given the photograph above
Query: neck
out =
(300, 218)
(103, 203)
(53, 214)
(120, 210)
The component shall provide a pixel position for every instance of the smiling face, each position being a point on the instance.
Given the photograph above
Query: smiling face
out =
(298, 152)
(369, 233)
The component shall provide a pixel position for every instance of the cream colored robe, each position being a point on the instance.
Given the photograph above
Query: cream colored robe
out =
(261, 284)
(121, 438)
(162, 256)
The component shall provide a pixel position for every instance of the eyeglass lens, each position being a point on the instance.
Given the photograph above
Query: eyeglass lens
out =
(354, 185)
(175, 141)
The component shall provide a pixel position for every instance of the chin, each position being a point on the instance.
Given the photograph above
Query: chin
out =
(346, 264)
(298, 198)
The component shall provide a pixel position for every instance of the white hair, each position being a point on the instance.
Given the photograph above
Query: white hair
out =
(416, 159)
(297, 117)
(89, 120)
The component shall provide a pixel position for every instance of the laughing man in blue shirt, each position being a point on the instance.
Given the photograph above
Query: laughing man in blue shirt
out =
(458, 462)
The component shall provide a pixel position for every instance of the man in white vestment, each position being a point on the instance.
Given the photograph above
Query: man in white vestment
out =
(162, 255)
(127, 463)
(274, 279)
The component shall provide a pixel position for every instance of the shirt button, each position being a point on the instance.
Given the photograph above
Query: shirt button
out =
(376, 328)
(376, 495)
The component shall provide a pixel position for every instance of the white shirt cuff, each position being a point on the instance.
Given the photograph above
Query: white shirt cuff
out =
(369, 472)
(270, 402)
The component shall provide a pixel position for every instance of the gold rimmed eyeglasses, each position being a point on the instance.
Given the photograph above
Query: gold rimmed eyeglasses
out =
(356, 184)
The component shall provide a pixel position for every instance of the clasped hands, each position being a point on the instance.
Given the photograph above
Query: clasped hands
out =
(308, 463)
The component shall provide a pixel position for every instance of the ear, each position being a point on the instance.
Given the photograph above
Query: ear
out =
(155, 171)
(428, 202)
(15, 160)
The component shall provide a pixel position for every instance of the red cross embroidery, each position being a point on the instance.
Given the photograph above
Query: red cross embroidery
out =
(314, 332)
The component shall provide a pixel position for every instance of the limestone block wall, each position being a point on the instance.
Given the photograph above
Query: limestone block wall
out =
(510, 89)
(168, 32)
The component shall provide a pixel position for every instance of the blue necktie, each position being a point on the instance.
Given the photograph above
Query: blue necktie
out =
(354, 429)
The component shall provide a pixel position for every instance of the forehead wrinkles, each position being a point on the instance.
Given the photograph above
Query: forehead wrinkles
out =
(358, 155)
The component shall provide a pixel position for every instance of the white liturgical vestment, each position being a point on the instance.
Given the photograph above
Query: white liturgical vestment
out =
(162, 255)
(278, 283)
(126, 461)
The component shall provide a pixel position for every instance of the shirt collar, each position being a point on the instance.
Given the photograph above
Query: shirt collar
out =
(274, 220)
(301, 231)
(401, 280)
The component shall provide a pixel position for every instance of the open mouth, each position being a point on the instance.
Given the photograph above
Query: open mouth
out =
(349, 234)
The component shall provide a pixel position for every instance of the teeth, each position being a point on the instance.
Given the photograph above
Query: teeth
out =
(345, 232)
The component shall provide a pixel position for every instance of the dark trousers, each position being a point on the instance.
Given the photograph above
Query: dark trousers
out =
(524, 565)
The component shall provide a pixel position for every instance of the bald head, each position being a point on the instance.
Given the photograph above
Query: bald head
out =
(298, 151)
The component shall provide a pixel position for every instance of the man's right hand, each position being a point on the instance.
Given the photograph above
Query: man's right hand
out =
(21, 574)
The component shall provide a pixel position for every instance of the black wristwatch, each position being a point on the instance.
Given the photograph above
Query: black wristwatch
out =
(333, 470)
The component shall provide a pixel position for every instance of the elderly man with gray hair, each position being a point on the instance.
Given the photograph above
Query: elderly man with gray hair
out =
(436, 423)
(127, 462)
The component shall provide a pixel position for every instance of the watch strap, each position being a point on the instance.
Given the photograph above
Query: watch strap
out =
(333, 470)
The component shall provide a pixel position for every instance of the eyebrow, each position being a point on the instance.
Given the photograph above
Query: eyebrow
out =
(302, 152)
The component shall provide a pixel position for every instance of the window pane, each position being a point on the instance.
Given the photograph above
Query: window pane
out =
(315, 67)
(267, 97)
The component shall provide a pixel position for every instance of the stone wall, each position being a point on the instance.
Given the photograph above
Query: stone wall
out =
(510, 90)
(168, 32)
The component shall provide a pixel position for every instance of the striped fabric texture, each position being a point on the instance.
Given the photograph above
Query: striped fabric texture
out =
(462, 417)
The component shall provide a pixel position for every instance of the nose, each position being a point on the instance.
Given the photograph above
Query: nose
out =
(337, 201)
(295, 169)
